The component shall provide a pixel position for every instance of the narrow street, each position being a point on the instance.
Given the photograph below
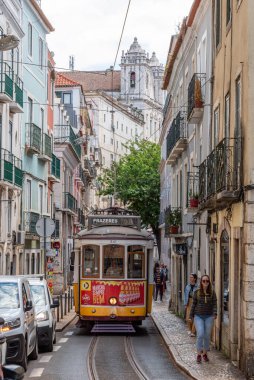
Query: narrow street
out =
(79, 355)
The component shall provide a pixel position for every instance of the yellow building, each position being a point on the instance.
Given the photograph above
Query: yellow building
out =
(226, 180)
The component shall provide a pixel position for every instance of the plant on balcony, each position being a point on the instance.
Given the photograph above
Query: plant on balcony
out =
(193, 198)
(198, 94)
(174, 220)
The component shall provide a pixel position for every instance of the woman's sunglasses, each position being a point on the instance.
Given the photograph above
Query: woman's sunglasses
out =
(206, 281)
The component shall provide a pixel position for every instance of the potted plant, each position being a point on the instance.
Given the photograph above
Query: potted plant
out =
(174, 220)
(194, 200)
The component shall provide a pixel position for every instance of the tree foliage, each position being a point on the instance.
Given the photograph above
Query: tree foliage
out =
(135, 180)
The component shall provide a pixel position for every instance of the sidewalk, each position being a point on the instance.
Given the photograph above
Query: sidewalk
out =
(65, 321)
(182, 347)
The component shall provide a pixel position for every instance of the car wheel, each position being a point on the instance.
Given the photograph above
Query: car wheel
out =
(50, 345)
(34, 353)
(23, 363)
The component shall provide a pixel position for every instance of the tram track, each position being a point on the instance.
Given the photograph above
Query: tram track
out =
(117, 361)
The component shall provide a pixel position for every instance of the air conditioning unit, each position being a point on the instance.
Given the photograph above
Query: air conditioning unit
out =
(20, 237)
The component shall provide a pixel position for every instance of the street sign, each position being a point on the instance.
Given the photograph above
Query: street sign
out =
(45, 227)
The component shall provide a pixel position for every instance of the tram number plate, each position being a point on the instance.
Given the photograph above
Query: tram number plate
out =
(86, 285)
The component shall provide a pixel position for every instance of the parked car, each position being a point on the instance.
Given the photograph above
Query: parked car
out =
(20, 328)
(9, 371)
(45, 311)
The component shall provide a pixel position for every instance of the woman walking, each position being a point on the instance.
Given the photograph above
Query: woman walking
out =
(204, 311)
(189, 290)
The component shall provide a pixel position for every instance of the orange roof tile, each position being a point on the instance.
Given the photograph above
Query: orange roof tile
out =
(63, 81)
(96, 80)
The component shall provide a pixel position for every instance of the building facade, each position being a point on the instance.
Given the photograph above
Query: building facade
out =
(11, 109)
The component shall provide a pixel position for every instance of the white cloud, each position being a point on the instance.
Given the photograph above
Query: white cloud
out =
(90, 29)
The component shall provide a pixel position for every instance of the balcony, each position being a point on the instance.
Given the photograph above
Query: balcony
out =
(89, 169)
(10, 169)
(173, 222)
(192, 198)
(46, 151)
(196, 96)
(70, 203)
(81, 218)
(176, 138)
(220, 174)
(30, 220)
(80, 176)
(65, 134)
(33, 138)
(16, 106)
(54, 174)
(6, 83)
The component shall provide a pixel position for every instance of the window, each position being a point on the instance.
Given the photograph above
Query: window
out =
(30, 39)
(112, 141)
(117, 144)
(39, 295)
(216, 128)
(228, 12)
(147, 81)
(238, 107)
(117, 125)
(136, 262)
(227, 116)
(30, 110)
(91, 261)
(28, 195)
(67, 98)
(113, 261)
(104, 138)
(126, 130)
(133, 79)
(104, 117)
(10, 136)
(122, 127)
(24, 296)
(9, 214)
(111, 159)
(218, 23)
(9, 295)
(41, 199)
(41, 53)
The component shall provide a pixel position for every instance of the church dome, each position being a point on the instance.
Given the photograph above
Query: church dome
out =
(135, 47)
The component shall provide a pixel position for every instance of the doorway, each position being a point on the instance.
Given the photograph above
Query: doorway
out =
(225, 295)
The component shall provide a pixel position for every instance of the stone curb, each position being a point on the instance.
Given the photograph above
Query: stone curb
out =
(66, 323)
(173, 351)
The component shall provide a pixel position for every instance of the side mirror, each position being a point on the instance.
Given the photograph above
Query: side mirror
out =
(1, 321)
(13, 371)
(29, 305)
(55, 303)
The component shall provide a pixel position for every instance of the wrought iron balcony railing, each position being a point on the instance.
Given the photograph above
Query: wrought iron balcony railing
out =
(19, 91)
(176, 138)
(70, 202)
(46, 150)
(220, 173)
(81, 217)
(196, 96)
(173, 221)
(54, 174)
(89, 168)
(10, 168)
(6, 81)
(30, 220)
(192, 198)
(80, 176)
(65, 134)
(33, 138)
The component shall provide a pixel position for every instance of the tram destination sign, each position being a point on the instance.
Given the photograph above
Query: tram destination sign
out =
(114, 220)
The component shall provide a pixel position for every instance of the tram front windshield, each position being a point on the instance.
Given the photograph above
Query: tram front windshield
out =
(113, 261)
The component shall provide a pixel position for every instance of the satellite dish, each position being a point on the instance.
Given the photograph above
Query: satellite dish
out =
(8, 42)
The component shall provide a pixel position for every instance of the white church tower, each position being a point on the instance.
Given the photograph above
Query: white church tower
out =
(141, 82)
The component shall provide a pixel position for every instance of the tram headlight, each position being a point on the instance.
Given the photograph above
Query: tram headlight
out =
(113, 301)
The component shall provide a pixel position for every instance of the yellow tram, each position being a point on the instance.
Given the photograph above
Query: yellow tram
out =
(113, 269)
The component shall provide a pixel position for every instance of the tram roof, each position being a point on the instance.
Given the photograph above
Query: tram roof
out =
(115, 232)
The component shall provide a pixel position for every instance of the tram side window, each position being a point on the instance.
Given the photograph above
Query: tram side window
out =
(113, 261)
(136, 262)
(91, 261)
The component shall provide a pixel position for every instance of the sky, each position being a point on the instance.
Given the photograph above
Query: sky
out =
(90, 29)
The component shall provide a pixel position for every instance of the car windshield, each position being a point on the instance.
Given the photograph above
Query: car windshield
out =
(9, 295)
(38, 293)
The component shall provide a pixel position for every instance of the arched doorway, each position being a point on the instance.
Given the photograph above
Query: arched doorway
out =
(7, 264)
(225, 253)
(32, 263)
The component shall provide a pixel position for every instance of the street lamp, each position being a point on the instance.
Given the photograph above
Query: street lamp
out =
(8, 42)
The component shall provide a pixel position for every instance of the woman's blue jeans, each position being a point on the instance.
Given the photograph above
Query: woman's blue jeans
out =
(203, 324)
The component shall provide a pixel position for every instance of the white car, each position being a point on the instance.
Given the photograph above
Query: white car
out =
(17, 309)
(44, 312)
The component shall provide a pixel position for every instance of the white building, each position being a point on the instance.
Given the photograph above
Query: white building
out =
(11, 109)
